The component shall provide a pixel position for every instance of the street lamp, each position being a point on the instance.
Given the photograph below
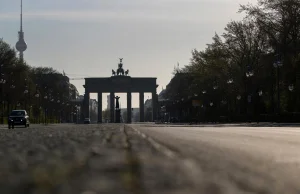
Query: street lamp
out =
(277, 64)
(25, 93)
(224, 102)
(45, 108)
(2, 82)
(230, 81)
(12, 86)
(10, 99)
(37, 95)
(239, 97)
(291, 87)
(250, 73)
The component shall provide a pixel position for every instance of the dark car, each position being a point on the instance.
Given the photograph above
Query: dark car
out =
(18, 117)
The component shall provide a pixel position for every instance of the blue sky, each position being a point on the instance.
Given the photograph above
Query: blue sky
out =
(87, 37)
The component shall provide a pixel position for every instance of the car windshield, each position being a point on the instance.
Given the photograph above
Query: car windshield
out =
(17, 113)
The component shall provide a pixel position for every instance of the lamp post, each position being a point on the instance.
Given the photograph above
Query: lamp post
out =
(249, 106)
(25, 93)
(2, 82)
(230, 81)
(258, 105)
(239, 97)
(37, 95)
(45, 105)
(62, 111)
(76, 114)
(291, 87)
(59, 112)
(216, 105)
(9, 99)
(277, 64)
(291, 98)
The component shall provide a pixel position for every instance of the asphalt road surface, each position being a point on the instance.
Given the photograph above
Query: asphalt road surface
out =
(138, 159)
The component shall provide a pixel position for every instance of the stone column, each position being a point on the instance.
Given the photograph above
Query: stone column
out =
(86, 105)
(128, 107)
(154, 106)
(100, 107)
(112, 107)
(142, 109)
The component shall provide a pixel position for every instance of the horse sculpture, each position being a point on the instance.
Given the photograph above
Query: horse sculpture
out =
(127, 72)
(120, 71)
(113, 72)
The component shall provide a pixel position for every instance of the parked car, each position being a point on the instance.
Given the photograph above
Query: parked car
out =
(18, 117)
(87, 121)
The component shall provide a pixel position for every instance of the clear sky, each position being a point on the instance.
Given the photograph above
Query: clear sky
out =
(86, 38)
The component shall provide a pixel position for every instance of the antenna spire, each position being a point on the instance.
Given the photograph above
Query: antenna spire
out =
(21, 25)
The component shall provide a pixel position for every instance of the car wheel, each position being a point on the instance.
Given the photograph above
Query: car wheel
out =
(13, 126)
(25, 126)
(9, 126)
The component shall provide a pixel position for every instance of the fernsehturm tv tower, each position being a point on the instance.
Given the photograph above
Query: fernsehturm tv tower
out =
(21, 45)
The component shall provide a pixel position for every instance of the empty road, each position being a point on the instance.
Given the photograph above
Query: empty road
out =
(232, 158)
(111, 158)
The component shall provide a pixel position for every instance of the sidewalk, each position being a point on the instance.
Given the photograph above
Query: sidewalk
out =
(5, 126)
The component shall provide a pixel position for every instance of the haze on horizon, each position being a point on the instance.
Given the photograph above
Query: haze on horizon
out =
(86, 38)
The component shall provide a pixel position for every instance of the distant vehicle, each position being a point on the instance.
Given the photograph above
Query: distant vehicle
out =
(18, 117)
(87, 121)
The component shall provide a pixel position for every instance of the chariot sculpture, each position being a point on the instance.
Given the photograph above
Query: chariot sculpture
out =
(120, 70)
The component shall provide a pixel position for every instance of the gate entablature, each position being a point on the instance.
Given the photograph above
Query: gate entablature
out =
(120, 84)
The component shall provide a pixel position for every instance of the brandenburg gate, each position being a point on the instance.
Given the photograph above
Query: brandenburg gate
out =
(120, 82)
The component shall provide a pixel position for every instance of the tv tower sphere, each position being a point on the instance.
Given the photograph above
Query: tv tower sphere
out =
(21, 45)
